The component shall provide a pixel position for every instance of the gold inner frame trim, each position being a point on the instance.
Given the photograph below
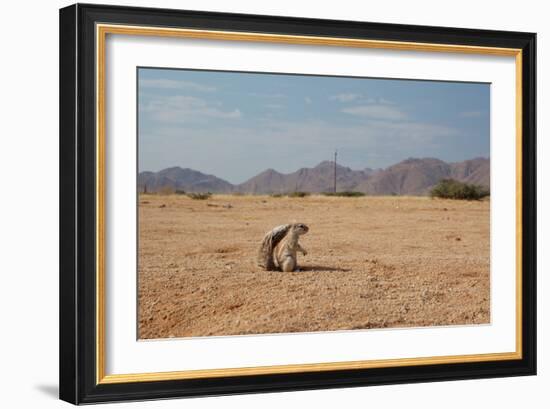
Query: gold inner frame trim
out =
(101, 33)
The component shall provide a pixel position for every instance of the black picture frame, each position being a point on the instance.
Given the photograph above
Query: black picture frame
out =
(78, 257)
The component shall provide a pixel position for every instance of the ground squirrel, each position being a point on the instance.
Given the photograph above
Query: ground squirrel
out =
(279, 247)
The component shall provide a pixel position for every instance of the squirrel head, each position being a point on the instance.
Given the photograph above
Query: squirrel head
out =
(300, 228)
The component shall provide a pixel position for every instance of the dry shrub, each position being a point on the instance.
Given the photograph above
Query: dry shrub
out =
(453, 189)
(199, 196)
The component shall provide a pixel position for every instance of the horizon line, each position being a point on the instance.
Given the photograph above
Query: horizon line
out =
(313, 167)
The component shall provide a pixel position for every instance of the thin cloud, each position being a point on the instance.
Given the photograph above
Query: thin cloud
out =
(308, 100)
(274, 106)
(345, 97)
(471, 114)
(376, 112)
(185, 108)
(266, 95)
(370, 134)
(162, 83)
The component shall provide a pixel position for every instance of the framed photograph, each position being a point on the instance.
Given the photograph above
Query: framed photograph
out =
(257, 203)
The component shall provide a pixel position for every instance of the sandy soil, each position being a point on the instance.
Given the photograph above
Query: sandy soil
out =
(373, 262)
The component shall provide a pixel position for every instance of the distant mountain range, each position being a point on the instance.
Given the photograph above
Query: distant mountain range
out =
(409, 177)
(183, 179)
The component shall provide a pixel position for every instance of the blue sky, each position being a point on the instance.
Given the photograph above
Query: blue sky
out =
(235, 125)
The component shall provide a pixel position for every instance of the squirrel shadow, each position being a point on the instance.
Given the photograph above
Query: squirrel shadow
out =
(323, 268)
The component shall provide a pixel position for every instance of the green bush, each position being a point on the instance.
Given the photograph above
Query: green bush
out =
(298, 194)
(199, 196)
(453, 189)
(276, 195)
(180, 192)
(345, 194)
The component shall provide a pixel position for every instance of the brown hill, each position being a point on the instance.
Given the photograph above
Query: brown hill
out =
(188, 180)
(409, 177)
(476, 171)
(418, 176)
(317, 179)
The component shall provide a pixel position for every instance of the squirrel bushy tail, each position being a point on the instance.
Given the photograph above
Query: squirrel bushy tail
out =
(269, 242)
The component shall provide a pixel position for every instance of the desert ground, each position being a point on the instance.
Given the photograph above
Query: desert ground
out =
(373, 262)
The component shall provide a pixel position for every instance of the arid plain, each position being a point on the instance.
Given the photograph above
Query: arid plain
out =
(373, 262)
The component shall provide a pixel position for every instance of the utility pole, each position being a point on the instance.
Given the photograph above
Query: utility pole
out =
(335, 156)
